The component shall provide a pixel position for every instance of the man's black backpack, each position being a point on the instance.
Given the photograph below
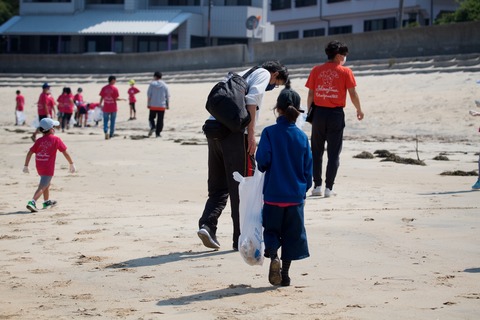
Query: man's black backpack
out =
(226, 102)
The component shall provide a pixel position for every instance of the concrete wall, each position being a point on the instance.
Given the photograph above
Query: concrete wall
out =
(458, 38)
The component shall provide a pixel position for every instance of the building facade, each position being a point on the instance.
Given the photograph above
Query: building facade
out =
(296, 19)
(128, 26)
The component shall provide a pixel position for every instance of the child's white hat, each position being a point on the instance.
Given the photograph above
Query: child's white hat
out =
(48, 123)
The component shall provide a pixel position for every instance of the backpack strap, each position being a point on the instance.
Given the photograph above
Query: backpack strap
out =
(249, 72)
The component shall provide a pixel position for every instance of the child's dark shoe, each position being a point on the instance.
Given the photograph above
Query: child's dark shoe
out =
(285, 281)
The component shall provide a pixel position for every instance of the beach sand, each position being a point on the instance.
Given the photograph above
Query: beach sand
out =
(397, 242)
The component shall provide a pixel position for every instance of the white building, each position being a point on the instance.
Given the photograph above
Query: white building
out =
(124, 26)
(127, 26)
(296, 19)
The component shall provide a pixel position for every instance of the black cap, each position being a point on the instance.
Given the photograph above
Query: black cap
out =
(288, 97)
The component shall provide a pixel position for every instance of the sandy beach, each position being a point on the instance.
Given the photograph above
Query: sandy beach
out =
(398, 241)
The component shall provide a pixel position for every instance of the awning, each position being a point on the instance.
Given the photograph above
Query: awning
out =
(98, 22)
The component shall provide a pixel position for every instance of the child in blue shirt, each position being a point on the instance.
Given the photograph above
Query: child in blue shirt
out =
(284, 155)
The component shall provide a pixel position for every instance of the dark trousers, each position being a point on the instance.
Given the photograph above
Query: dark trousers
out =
(284, 227)
(327, 127)
(159, 117)
(224, 158)
(66, 119)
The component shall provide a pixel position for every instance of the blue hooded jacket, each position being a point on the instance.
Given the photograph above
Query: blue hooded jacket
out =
(284, 155)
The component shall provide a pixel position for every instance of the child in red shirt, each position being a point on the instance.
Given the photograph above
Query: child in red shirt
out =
(132, 91)
(45, 150)
(19, 106)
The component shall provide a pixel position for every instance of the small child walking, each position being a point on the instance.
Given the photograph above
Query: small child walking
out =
(45, 150)
(284, 155)
(132, 91)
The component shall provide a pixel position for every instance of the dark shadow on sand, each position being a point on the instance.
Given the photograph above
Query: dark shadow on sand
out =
(16, 212)
(447, 192)
(166, 258)
(232, 290)
(472, 270)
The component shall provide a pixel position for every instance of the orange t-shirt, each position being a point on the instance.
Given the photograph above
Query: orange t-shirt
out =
(330, 82)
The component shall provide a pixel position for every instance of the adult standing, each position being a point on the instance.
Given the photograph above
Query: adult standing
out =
(158, 98)
(108, 97)
(235, 152)
(328, 85)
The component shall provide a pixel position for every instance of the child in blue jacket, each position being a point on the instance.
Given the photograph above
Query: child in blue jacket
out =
(284, 155)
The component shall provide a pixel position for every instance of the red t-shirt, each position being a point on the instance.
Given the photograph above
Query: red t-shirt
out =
(45, 149)
(65, 103)
(20, 102)
(50, 104)
(330, 82)
(43, 101)
(78, 99)
(109, 93)
(131, 94)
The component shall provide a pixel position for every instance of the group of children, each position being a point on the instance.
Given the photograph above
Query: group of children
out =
(281, 145)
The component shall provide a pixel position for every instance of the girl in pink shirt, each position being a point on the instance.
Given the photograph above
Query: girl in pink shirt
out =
(45, 150)
(19, 106)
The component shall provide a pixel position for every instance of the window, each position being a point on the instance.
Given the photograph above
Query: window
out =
(333, 1)
(157, 43)
(288, 35)
(379, 24)
(281, 4)
(105, 1)
(314, 33)
(47, 1)
(340, 30)
(305, 3)
(98, 44)
(238, 2)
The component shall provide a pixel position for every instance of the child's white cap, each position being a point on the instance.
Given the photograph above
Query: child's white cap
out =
(48, 123)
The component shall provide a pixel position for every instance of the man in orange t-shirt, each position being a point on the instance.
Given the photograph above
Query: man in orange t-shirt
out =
(328, 85)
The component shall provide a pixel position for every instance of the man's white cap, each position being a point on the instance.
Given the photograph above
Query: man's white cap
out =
(47, 124)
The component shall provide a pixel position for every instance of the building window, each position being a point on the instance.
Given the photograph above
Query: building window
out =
(339, 30)
(238, 2)
(379, 24)
(281, 4)
(333, 1)
(305, 3)
(174, 3)
(157, 43)
(105, 1)
(46, 1)
(288, 35)
(314, 33)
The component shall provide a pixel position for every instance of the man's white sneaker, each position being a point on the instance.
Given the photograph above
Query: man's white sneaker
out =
(329, 193)
(317, 191)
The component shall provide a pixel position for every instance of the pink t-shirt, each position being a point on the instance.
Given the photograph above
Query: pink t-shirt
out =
(45, 149)
(109, 93)
(50, 104)
(20, 102)
(42, 103)
(65, 103)
(131, 94)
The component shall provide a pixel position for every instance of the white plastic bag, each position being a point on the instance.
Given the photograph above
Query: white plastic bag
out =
(97, 114)
(35, 123)
(90, 117)
(20, 117)
(72, 121)
(250, 242)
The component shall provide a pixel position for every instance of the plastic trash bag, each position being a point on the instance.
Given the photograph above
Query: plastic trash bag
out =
(20, 117)
(35, 123)
(250, 242)
(97, 114)
(90, 116)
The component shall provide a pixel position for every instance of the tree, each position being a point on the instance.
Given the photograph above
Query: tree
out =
(8, 8)
(469, 10)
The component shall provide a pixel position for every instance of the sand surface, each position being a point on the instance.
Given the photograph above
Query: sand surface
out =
(397, 242)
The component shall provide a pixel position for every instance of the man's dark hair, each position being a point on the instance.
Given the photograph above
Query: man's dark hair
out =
(157, 75)
(111, 78)
(274, 66)
(18, 91)
(335, 47)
